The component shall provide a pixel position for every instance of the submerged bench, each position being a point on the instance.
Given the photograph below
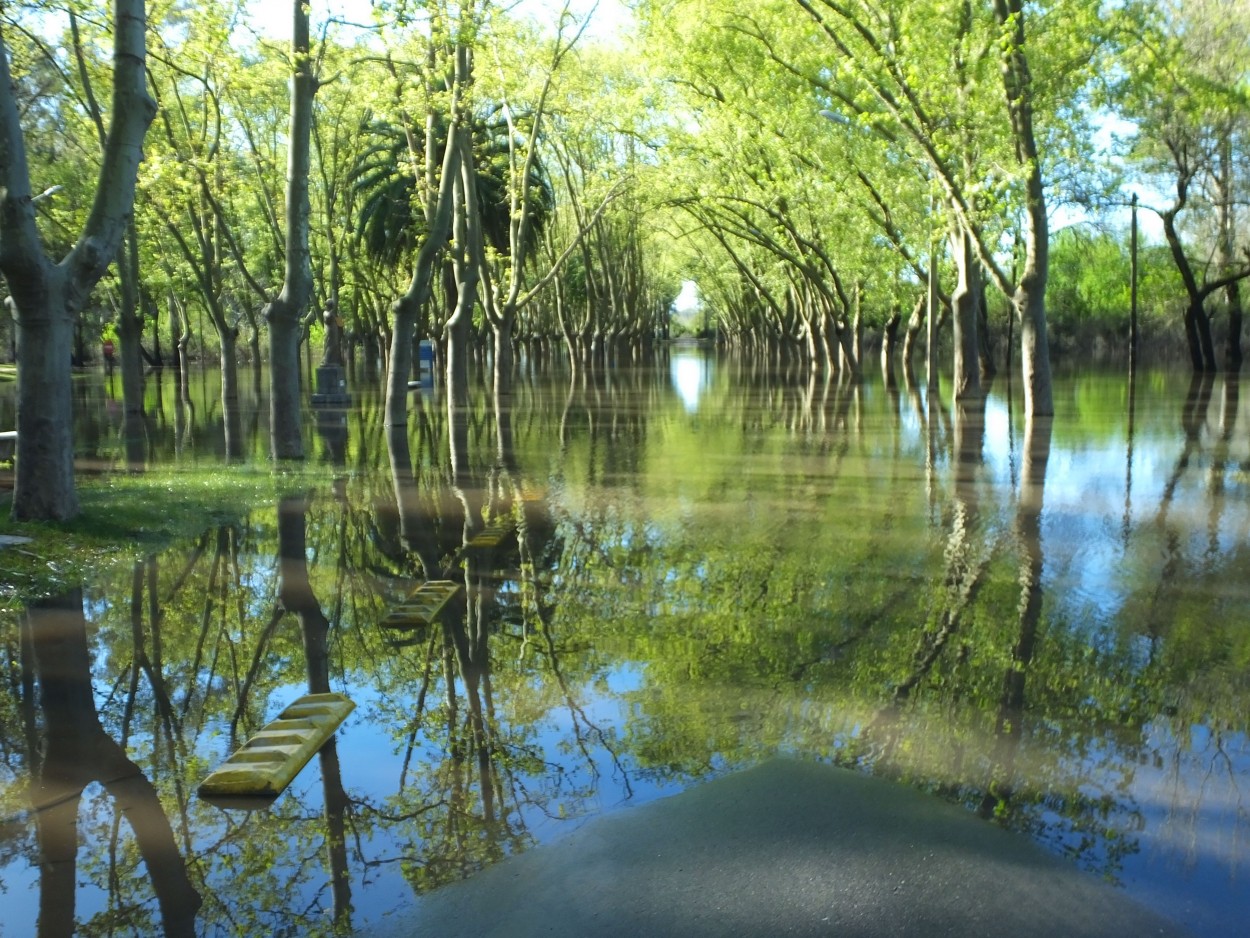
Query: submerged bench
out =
(274, 755)
(422, 606)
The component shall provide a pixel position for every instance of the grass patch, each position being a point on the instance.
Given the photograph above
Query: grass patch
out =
(127, 516)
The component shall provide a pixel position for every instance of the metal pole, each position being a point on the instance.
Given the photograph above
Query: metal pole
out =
(1132, 342)
(931, 372)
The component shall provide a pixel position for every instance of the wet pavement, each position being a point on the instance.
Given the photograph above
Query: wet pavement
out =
(786, 848)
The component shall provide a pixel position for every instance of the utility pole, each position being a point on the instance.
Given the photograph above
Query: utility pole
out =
(1132, 315)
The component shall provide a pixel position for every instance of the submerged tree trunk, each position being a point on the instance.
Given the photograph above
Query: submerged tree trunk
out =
(458, 339)
(889, 339)
(1226, 183)
(914, 322)
(985, 346)
(44, 477)
(505, 358)
(1232, 348)
(1197, 323)
(407, 309)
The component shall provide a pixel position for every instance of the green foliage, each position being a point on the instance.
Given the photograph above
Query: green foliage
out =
(766, 128)
(388, 224)
(1089, 280)
(1088, 294)
(384, 179)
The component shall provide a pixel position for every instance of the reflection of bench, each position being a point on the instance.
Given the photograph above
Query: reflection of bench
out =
(8, 444)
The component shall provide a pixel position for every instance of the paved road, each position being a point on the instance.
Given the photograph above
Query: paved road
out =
(787, 848)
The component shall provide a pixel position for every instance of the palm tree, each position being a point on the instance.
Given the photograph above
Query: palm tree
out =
(389, 224)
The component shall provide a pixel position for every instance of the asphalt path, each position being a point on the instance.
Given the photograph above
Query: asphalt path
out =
(786, 848)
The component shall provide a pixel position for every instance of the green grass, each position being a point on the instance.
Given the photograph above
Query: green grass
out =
(127, 516)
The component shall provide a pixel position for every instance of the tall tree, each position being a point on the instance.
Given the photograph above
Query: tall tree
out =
(189, 188)
(129, 316)
(286, 312)
(887, 91)
(1185, 86)
(47, 294)
(446, 74)
(527, 194)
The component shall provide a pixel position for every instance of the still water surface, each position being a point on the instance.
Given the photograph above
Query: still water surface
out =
(703, 567)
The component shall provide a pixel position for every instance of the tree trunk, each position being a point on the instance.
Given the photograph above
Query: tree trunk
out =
(285, 314)
(130, 335)
(914, 322)
(44, 479)
(407, 309)
(1197, 335)
(812, 347)
(1232, 348)
(985, 346)
(1030, 294)
(1030, 302)
(285, 436)
(504, 356)
(966, 302)
(1197, 323)
(857, 323)
(176, 336)
(1226, 181)
(231, 413)
(457, 332)
(439, 212)
(889, 338)
(47, 297)
(931, 323)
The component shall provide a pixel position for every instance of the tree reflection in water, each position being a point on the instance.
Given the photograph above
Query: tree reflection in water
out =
(76, 752)
(859, 574)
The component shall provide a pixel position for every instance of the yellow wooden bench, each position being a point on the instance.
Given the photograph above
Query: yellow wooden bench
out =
(274, 755)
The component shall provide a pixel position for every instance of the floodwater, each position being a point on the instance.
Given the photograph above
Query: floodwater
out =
(668, 574)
